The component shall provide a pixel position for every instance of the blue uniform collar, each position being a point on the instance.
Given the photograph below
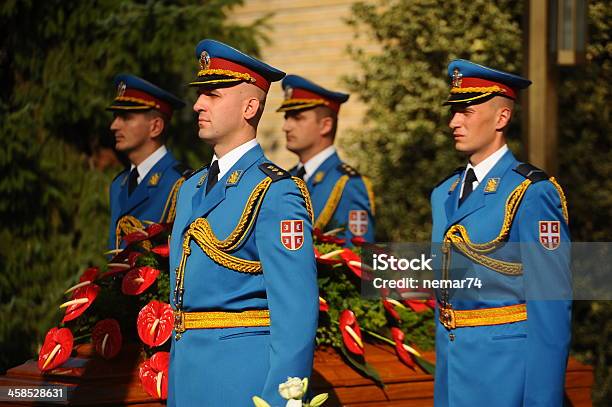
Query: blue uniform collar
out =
(332, 162)
(477, 199)
(142, 191)
(207, 202)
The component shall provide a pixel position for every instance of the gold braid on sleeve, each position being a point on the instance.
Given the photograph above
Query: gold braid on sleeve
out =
(370, 189)
(562, 198)
(169, 212)
(332, 203)
(457, 235)
(306, 195)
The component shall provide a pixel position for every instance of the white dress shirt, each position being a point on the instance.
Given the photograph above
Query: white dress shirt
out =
(315, 162)
(145, 166)
(228, 160)
(482, 169)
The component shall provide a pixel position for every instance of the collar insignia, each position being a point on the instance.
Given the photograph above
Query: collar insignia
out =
(318, 177)
(454, 185)
(154, 180)
(491, 185)
(233, 178)
(202, 179)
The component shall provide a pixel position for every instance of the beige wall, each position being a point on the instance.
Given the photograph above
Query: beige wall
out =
(307, 38)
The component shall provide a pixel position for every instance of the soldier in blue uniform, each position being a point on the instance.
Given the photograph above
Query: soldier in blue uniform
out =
(147, 190)
(341, 197)
(243, 273)
(505, 223)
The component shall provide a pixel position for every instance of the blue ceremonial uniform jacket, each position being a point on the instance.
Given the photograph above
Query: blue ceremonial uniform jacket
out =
(228, 366)
(152, 198)
(336, 204)
(510, 364)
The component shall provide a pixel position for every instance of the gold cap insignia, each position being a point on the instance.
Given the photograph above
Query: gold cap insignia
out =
(154, 180)
(454, 185)
(457, 77)
(204, 60)
(121, 89)
(318, 177)
(491, 185)
(288, 92)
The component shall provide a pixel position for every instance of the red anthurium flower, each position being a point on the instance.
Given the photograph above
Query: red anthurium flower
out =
(155, 229)
(417, 305)
(163, 250)
(351, 334)
(323, 305)
(133, 256)
(330, 258)
(353, 262)
(391, 309)
(135, 237)
(155, 322)
(402, 352)
(137, 280)
(89, 276)
(82, 298)
(358, 241)
(106, 338)
(56, 349)
(327, 237)
(153, 375)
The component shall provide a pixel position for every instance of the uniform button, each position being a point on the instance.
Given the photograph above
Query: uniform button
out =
(451, 336)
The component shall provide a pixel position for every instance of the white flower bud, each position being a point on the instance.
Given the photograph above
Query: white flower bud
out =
(291, 389)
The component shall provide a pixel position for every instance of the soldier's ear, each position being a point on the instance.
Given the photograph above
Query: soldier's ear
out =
(504, 115)
(326, 124)
(156, 126)
(251, 108)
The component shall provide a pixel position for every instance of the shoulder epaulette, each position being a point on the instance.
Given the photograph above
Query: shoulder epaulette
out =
(196, 171)
(118, 175)
(456, 171)
(274, 172)
(183, 169)
(531, 172)
(348, 170)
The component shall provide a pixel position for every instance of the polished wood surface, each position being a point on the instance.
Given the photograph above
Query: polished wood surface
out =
(94, 381)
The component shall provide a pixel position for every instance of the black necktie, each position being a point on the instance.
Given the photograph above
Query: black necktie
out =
(468, 185)
(301, 172)
(133, 181)
(213, 175)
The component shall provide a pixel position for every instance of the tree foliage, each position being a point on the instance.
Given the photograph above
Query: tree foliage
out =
(404, 142)
(57, 61)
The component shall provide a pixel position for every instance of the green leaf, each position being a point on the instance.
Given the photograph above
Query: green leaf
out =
(426, 365)
(365, 368)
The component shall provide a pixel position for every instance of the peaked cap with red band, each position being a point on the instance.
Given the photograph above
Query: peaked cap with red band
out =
(301, 94)
(223, 66)
(473, 84)
(137, 94)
